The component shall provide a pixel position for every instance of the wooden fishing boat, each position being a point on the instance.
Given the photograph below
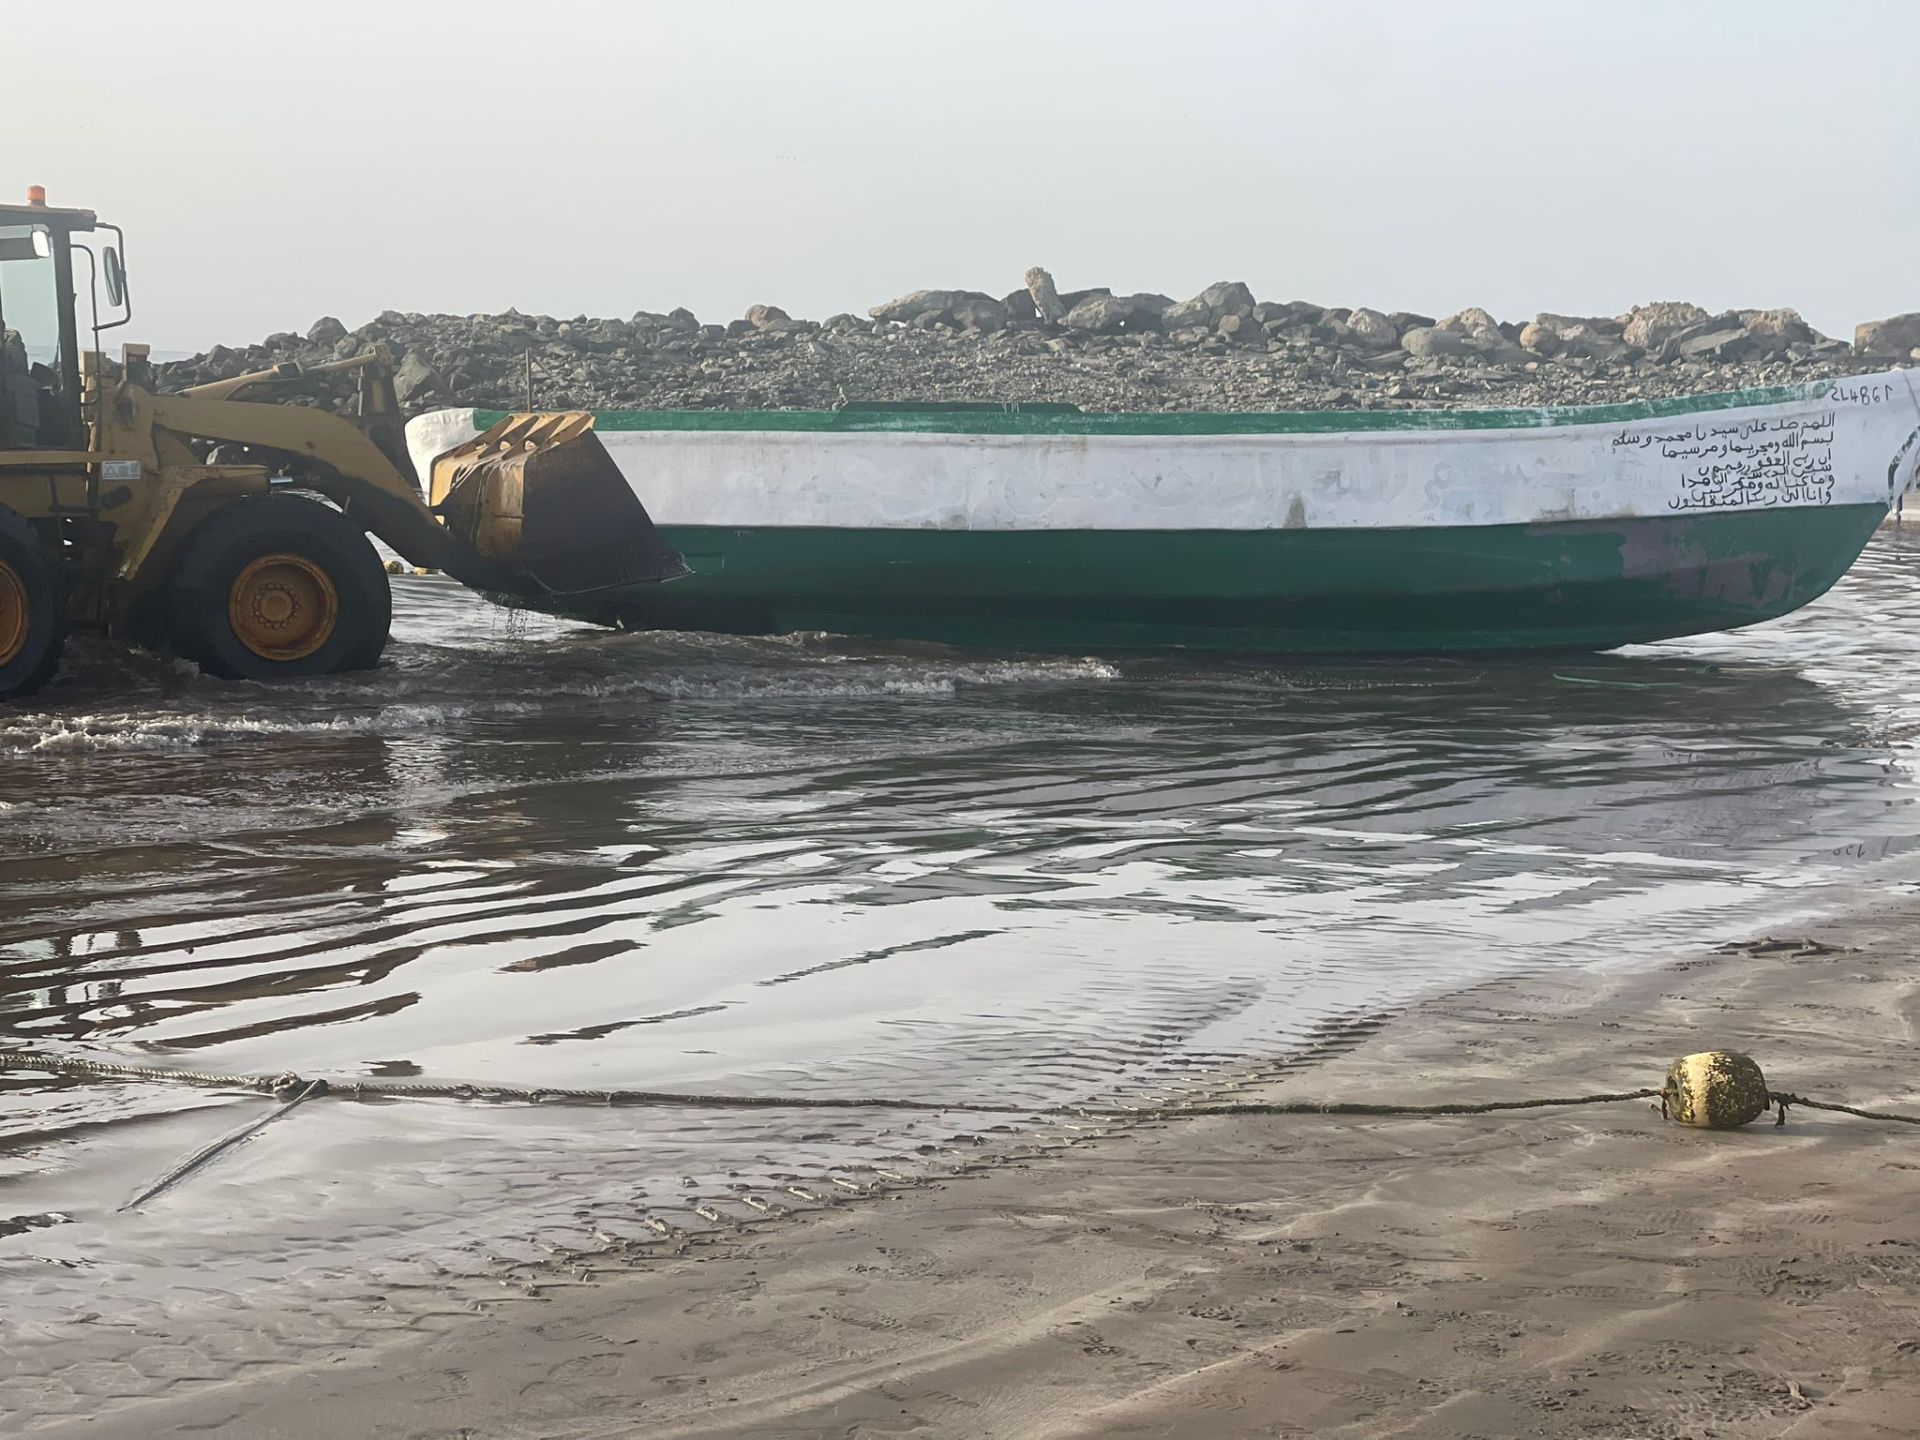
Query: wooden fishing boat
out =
(1372, 531)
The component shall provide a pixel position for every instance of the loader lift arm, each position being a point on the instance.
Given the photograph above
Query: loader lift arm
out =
(331, 454)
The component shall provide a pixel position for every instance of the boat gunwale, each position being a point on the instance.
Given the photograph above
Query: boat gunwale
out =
(1412, 424)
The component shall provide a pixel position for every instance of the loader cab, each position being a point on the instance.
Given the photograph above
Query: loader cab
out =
(39, 327)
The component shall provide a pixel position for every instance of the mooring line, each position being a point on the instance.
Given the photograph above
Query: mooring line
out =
(290, 1084)
(1783, 1098)
(296, 1088)
(1357, 1107)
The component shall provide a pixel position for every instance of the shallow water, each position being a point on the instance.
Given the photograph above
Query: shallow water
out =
(528, 853)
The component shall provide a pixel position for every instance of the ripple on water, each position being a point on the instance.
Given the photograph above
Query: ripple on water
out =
(531, 853)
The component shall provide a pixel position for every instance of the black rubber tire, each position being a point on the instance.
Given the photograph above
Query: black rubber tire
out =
(27, 555)
(232, 537)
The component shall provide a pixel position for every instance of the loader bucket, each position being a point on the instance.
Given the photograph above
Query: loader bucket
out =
(547, 513)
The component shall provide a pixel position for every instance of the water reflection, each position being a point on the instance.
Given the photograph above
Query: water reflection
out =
(582, 859)
(559, 859)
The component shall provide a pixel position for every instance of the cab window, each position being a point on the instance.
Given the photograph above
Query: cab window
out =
(33, 411)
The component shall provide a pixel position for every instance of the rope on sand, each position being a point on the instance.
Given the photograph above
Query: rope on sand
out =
(296, 1088)
(286, 1085)
(302, 1088)
(1783, 1099)
(1715, 1096)
(1350, 1107)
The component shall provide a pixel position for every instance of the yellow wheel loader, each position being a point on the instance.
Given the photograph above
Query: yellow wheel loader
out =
(231, 526)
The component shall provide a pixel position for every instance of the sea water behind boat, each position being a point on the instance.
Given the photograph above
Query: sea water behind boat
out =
(1377, 531)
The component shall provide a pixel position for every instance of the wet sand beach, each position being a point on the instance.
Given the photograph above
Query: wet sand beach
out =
(1580, 1272)
(528, 854)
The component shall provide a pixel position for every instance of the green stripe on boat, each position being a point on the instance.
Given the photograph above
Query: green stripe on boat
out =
(1010, 420)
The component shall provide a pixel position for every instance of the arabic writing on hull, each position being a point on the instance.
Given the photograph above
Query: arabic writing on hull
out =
(1781, 460)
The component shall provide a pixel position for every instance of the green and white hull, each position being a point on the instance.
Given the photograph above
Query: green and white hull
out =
(1371, 531)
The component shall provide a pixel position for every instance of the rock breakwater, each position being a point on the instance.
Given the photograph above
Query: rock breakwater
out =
(1222, 349)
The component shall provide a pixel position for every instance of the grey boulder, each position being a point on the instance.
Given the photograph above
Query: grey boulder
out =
(1897, 336)
(1371, 330)
(1424, 342)
(1649, 327)
(915, 305)
(1100, 314)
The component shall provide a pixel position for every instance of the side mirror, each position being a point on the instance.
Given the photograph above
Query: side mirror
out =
(115, 275)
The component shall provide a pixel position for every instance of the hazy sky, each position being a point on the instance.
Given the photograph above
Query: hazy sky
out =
(276, 162)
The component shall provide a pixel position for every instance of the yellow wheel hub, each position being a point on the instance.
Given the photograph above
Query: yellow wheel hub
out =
(283, 607)
(15, 617)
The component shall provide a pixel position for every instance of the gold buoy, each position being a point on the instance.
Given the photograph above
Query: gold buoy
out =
(1715, 1089)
